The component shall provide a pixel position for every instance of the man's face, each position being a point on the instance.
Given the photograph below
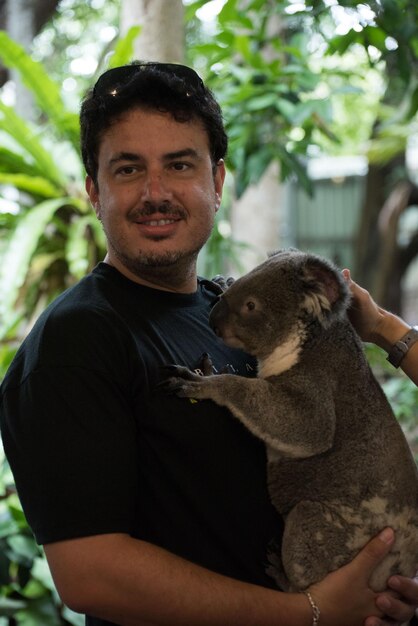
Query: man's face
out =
(156, 193)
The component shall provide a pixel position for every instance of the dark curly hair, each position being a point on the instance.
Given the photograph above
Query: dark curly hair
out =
(168, 88)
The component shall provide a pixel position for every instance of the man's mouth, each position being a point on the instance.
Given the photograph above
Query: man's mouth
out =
(161, 222)
(158, 226)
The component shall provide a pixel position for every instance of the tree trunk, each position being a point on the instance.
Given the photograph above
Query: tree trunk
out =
(381, 261)
(22, 20)
(387, 285)
(162, 34)
(256, 218)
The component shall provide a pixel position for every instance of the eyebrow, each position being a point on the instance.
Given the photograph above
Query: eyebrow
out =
(180, 154)
(170, 156)
(124, 156)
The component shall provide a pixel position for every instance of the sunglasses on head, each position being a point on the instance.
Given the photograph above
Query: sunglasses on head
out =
(117, 76)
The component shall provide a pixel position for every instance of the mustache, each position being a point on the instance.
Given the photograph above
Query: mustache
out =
(161, 208)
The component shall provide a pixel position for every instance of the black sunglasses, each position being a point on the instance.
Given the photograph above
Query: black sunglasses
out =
(108, 82)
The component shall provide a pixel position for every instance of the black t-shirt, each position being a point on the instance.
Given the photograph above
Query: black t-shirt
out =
(95, 449)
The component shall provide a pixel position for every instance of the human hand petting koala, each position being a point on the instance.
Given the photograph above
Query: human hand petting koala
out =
(328, 428)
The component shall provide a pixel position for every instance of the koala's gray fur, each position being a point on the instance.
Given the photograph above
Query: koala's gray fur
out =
(339, 467)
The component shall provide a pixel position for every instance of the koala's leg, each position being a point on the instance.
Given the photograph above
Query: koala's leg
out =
(314, 544)
(246, 398)
(235, 392)
(274, 416)
(275, 569)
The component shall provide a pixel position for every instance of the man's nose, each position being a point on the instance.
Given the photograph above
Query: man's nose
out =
(156, 187)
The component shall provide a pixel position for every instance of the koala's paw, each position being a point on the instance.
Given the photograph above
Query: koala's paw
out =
(223, 281)
(182, 382)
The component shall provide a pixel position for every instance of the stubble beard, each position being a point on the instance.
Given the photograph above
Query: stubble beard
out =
(169, 265)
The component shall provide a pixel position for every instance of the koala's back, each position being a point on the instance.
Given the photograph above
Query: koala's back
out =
(368, 478)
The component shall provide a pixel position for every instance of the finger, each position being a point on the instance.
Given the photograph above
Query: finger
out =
(405, 587)
(374, 551)
(347, 275)
(395, 609)
(376, 621)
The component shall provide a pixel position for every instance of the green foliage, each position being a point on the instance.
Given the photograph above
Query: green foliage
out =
(124, 47)
(390, 42)
(401, 393)
(27, 592)
(259, 68)
(45, 90)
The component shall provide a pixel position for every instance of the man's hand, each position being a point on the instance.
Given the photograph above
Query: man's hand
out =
(400, 604)
(346, 587)
(364, 313)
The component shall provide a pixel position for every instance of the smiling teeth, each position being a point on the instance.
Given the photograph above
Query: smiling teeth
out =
(159, 222)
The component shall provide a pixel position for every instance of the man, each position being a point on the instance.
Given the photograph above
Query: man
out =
(154, 510)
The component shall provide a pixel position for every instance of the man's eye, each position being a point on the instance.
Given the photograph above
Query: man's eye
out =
(180, 167)
(127, 170)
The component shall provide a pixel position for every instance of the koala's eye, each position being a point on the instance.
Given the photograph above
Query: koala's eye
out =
(250, 305)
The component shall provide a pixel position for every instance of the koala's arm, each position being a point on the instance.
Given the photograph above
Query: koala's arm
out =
(295, 417)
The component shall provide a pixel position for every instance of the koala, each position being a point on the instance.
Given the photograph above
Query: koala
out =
(338, 465)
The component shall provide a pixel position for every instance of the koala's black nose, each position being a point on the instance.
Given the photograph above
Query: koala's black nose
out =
(218, 315)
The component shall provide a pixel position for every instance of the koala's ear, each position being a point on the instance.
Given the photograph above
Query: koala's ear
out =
(327, 296)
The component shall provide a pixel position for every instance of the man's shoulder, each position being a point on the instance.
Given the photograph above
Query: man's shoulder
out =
(79, 328)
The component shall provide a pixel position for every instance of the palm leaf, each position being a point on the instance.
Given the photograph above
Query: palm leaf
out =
(45, 90)
(35, 185)
(17, 256)
(12, 162)
(125, 48)
(79, 244)
(77, 247)
(17, 128)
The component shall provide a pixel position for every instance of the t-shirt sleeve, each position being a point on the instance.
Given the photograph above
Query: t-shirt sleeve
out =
(69, 433)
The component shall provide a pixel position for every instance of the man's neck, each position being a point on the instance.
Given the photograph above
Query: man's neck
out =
(171, 278)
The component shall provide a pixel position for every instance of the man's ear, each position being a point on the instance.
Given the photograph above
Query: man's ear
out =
(93, 194)
(219, 182)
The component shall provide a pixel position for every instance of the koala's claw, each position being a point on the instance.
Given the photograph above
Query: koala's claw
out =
(180, 371)
(180, 380)
(223, 281)
(167, 385)
(206, 365)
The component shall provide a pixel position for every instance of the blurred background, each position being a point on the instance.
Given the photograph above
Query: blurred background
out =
(320, 99)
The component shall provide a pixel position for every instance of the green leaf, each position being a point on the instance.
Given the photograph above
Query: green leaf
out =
(8, 526)
(262, 102)
(9, 606)
(45, 90)
(15, 261)
(4, 567)
(73, 618)
(125, 48)
(12, 162)
(17, 128)
(243, 46)
(38, 611)
(286, 108)
(41, 572)
(23, 548)
(35, 185)
(77, 247)
(375, 36)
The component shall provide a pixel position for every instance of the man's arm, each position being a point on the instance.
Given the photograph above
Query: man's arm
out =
(381, 327)
(134, 583)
